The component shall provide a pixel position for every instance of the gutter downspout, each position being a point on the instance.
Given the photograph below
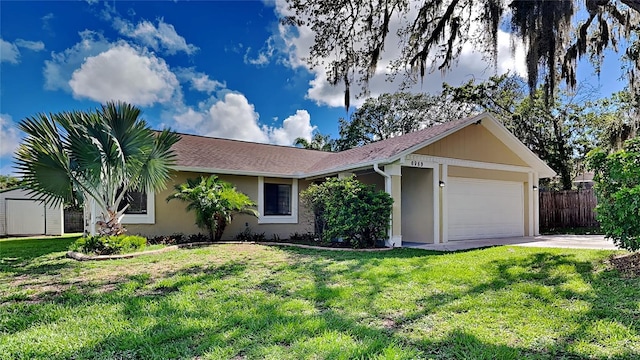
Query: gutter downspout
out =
(387, 178)
(387, 189)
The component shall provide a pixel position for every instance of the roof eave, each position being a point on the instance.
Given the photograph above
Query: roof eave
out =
(236, 172)
(354, 167)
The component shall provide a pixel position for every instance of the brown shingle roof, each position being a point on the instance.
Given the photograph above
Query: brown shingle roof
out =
(240, 156)
(386, 149)
(214, 154)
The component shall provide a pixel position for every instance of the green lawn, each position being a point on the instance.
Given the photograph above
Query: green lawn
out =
(255, 302)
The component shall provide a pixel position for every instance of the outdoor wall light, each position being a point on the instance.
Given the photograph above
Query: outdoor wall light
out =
(441, 183)
(535, 187)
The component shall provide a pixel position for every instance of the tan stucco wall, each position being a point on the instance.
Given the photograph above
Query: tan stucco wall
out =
(465, 172)
(172, 217)
(417, 205)
(371, 178)
(476, 143)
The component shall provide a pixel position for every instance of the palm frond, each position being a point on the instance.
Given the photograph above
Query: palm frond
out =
(155, 169)
(42, 161)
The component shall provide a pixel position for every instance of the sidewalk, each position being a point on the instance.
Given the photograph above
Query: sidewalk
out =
(549, 241)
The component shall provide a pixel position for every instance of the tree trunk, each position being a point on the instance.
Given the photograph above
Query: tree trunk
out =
(110, 225)
(562, 156)
(221, 224)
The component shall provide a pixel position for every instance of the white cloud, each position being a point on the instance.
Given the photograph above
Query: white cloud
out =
(57, 71)
(189, 119)
(471, 64)
(9, 52)
(293, 127)
(264, 55)
(163, 37)
(31, 45)
(125, 73)
(261, 60)
(203, 83)
(46, 22)
(9, 136)
(233, 117)
(199, 81)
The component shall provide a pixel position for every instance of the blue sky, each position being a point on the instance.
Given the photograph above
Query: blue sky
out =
(217, 68)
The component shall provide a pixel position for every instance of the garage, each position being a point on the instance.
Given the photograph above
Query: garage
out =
(480, 208)
(22, 214)
(18, 223)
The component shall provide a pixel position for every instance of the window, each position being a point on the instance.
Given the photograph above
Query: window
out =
(137, 201)
(141, 208)
(277, 199)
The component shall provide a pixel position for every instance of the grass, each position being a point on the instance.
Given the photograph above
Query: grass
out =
(256, 302)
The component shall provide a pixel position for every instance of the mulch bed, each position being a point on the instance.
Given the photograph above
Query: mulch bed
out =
(628, 265)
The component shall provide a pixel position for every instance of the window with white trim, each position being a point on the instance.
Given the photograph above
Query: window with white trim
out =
(277, 201)
(137, 201)
(141, 208)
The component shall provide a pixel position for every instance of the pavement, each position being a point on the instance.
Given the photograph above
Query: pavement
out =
(545, 241)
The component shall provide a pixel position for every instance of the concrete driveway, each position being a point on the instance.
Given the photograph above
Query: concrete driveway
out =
(550, 241)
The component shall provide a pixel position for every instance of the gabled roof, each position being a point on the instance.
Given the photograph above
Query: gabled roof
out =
(205, 154)
(388, 150)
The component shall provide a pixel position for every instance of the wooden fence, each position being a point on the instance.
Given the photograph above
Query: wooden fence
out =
(568, 208)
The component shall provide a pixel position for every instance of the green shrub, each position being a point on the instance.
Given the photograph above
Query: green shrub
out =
(174, 239)
(215, 203)
(304, 237)
(248, 235)
(617, 186)
(196, 238)
(109, 245)
(348, 210)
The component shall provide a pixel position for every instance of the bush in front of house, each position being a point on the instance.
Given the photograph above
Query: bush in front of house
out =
(109, 245)
(308, 238)
(248, 235)
(214, 201)
(617, 186)
(348, 210)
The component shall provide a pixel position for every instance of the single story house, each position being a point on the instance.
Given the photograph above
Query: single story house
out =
(464, 179)
(584, 180)
(23, 214)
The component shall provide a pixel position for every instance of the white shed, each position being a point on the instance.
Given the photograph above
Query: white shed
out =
(24, 214)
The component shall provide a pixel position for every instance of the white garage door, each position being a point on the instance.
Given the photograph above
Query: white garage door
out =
(485, 208)
(24, 217)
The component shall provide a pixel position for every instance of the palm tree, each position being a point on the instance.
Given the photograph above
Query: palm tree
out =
(77, 157)
(318, 142)
(214, 201)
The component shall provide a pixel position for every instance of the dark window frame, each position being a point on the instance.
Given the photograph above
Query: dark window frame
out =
(138, 203)
(278, 199)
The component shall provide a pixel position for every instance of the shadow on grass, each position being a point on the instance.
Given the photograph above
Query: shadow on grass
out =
(226, 311)
(19, 256)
